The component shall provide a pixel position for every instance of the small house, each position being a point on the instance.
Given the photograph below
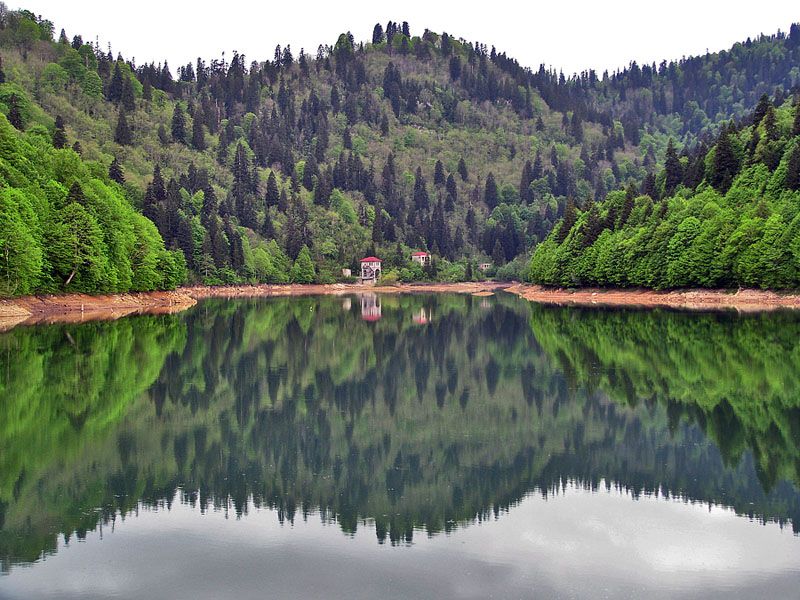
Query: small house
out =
(421, 258)
(485, 266)
(370, 269)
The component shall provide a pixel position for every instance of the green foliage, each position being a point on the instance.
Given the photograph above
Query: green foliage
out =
(335, 152)
(303, 268)
(741, 227)
(87, 240)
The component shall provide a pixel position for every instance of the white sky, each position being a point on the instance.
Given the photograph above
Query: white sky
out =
(565, 34)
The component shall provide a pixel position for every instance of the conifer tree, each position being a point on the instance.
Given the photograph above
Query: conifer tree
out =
(462, 169)
(59, 135)
(115, 172)
(570, 216)
(14, 115)
(76, 147)
(147, 91)
(770, 124)
(536, 170)
(159, 189)
(649, 186)
(761, 109)
(303, 268)
(310, 172)
(150, 207)
(490, 192)
(178, 124)
(725, 166)
(455, 68)
(123, 134)
(793, 168)
(241, 189)
(673, 169)
(498, 256)
(576, 127)
(198, 136)
(114, 91)
(377, 224)
(438, 174)
(421, 200)
(377, 34)
(796, 125)
(335, 100)
(208, 212)
(128, 99)
(296, 231)
(452, 189)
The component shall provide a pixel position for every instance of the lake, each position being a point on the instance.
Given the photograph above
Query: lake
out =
(413, 446)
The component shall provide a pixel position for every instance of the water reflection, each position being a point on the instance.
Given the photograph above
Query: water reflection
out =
(608, 545)
(310, 405)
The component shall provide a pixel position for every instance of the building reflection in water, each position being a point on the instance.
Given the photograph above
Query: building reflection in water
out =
(370, 307)
(422, 316)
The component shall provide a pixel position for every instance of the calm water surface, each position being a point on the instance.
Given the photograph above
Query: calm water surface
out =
(411, 446)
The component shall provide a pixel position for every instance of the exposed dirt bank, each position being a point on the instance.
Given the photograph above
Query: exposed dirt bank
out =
(744, 300)
(75, 308)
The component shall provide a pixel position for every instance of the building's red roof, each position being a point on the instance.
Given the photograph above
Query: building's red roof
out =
(420, 254)
(371, 259)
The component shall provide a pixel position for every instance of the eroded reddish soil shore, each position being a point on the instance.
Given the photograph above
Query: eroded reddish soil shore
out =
(744, 300)
(76, 308)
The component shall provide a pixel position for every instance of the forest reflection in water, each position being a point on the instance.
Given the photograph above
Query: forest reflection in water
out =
(411, 413)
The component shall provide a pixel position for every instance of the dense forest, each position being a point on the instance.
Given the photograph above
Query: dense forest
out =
(411, 140)
(724, 216)
(417, 429)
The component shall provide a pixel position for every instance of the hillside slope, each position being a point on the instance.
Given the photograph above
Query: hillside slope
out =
(404, 143)
(730, 218)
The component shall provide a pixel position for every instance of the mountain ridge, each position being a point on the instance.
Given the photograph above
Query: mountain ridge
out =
(404, 143)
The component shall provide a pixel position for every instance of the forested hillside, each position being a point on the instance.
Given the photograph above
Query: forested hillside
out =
(726, 216)
(414, 140)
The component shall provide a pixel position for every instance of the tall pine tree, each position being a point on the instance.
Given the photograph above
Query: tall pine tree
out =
(673, 169)
(123, 134)
(59, 135)
(490, 195)
(178, 124)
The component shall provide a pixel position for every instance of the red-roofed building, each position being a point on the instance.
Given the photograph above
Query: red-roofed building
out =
(370, 269)
(422, 258)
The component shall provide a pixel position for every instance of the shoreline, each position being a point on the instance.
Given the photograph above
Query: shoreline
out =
(742, 300)
(79, 308)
